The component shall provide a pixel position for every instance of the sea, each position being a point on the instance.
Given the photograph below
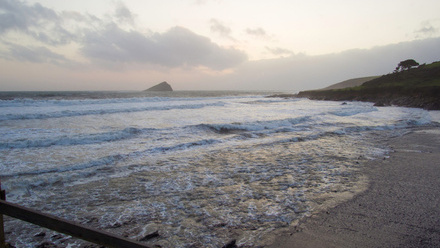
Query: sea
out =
(201, 168)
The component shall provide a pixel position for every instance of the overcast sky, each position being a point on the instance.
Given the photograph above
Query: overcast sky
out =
(209, 44)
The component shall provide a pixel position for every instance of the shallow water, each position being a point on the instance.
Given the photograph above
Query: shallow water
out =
(202, 169)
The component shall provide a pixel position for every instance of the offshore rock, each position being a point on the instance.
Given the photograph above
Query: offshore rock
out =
(231, 244)
(164, 86)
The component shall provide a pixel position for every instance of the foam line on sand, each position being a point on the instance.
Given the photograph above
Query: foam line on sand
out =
(400, 208)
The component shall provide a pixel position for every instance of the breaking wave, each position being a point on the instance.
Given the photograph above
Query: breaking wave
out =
(62, 109)
(80, 139)
(271, 125)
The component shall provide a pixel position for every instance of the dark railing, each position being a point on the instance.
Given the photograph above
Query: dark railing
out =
(60, 225)
(2, 226)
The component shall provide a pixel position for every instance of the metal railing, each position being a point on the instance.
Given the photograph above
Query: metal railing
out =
(60, 225)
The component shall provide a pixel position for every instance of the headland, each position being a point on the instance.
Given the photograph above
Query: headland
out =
(414, 87)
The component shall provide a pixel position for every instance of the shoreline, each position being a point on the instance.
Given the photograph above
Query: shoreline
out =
(400, 207)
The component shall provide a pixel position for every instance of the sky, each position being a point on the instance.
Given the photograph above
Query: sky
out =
(280, 45)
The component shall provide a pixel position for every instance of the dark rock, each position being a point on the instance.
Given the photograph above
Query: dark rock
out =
(46, 245)
(164, 86)
(40, 234)
(379, 104)
(282, 96)
(57, 237)
(92, 246)
(116, 225)
(231, 244)
(150, 236)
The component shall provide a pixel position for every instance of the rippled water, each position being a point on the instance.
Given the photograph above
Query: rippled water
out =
(202, 168)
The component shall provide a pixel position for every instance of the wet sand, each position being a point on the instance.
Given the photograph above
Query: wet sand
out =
(400, 208)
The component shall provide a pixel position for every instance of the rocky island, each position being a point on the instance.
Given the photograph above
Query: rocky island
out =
(164, 86)
(406, 86)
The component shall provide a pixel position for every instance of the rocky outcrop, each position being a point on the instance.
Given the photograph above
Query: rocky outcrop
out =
(164, 86)
(427, 98)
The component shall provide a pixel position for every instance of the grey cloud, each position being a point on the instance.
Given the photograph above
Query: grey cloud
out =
(256, 32)
(114, 44)
(36, 55)
(37, 21)
(427, 29)
(123, 14)
(301, 72)
(16, 15)
(219, 28)
(104, 41)
(177, 47)
(279, 51)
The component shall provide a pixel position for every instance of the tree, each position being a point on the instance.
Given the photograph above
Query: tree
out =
(406, 65)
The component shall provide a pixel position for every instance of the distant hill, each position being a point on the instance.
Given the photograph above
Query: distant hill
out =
(418, 87)
(350, 83)
(164, 86)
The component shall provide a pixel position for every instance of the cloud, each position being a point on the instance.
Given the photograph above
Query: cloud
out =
(279, 51)
(36, 54)
(17, 16)
(301, 72)
(123, 14)
(37, 21)
(176, 47)
(107, 41)
(219, 28)
(258, 32)
(426, 29)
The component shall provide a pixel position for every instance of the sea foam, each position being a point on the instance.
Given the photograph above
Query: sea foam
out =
(199, 167)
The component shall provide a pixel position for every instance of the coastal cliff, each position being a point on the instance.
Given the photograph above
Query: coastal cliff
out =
(417, 87)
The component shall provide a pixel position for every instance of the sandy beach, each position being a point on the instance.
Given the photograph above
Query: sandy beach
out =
(400, 208)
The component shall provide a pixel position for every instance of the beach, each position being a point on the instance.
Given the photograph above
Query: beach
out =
(399, 208)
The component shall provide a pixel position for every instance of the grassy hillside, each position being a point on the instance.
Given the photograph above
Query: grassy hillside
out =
(350, 83)
(418, 87)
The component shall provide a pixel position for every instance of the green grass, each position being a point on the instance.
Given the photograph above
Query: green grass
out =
(433, 65)
(423, 76)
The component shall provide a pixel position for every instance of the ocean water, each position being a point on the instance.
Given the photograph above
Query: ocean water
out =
(202, 168)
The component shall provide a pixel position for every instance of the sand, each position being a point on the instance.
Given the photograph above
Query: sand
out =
(400, 208)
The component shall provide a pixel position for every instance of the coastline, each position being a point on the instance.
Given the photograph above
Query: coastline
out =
(400, 207)
(426, 99)
(418, 88)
